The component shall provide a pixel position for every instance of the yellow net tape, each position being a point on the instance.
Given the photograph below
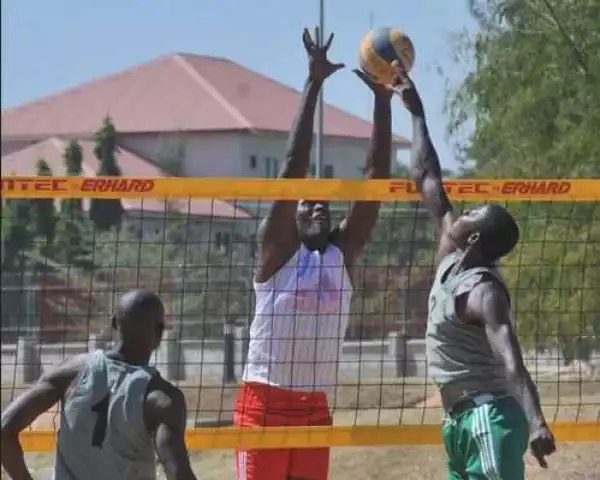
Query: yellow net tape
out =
(292, 189)
(578, 428)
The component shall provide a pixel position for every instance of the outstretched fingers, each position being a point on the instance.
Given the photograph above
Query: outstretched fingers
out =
(307, 40)
(401, 73)
(328, 43)
(314, 42)
(363, 76)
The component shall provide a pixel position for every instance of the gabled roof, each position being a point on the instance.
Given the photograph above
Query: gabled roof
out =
(180, 92)
(24, 162)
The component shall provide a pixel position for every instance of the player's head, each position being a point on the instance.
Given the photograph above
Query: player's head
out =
(140, 321)
(313, 221)
(488, 229)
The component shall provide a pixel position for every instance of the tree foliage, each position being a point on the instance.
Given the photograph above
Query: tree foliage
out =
(200, 284)
(531, 106)
(106, 213)
(73, 231)
(73, 158)
(44, 210)
(16, 234)
(392, 278)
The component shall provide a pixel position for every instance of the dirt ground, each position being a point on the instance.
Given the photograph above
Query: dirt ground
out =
(398, 401)
(571, 462)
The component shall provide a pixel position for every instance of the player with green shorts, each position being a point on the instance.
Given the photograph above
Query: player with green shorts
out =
(492, 406)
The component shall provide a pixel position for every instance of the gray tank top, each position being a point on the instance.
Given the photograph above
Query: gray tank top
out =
(102, 433)
(459, 352)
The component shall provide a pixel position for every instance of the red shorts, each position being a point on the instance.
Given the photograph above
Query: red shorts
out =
(260, 405)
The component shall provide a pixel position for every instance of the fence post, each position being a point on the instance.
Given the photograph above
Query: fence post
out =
(245, 344)
(229, 352)
(96, 342)
(241, 348)
(28, 359)
(404, 359)
(171, 355)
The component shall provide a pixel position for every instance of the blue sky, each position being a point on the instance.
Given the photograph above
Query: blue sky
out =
(51, 45)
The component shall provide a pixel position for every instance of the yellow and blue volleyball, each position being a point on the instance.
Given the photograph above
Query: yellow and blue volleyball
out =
(380, 47)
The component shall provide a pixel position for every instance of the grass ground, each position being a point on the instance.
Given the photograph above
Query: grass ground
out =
(399, 401)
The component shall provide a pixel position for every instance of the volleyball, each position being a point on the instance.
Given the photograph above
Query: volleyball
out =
(380, 47)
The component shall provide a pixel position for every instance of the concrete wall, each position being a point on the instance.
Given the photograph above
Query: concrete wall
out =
(202, 360)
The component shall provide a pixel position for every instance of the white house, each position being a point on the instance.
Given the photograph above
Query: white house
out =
(217, 117)
(186, 115)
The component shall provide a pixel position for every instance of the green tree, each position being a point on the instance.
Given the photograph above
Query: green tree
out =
(106, 213)
(16, 234)
(73, 158)
(74, 240)
(73, 233)
(531, 106)
(391, 279)
(201, 285)
(44, 209)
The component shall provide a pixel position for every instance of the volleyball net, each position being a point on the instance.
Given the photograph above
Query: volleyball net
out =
(72, 245)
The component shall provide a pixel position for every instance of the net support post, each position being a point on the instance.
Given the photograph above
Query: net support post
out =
(97, 342)
(401, 355)
(229, 352)
(242, 342)
(171, 356)
(29, 360)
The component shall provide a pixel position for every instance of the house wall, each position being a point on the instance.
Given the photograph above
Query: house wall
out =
(237, 154)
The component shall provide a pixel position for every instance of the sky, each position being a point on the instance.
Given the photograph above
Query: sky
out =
(48, 46)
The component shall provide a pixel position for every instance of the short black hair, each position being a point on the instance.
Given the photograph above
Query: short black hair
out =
(498, 232)
(135, 303)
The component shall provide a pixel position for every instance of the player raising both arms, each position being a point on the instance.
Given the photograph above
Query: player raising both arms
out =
(491, 403)
(303, 291)
(116, 411)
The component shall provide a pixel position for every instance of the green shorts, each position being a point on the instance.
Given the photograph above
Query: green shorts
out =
(486, 441)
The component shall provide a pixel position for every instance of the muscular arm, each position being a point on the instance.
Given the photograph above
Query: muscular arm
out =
(426, 172)
(49, 389)
(488, 304)
(356, 229)
(168, 415)
(278, 236)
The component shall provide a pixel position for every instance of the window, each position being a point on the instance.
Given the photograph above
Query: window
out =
(253, 162)
(326, 171)
(222, 241)
(253, 246)
(271, 167)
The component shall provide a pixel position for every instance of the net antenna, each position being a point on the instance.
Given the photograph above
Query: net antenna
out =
(319, 141)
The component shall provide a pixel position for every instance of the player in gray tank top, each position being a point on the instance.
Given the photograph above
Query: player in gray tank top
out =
(117, 413)
(459, 352)
(492, 406)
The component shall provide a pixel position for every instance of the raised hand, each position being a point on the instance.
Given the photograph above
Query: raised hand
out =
(406, 90)
(319, 66)
(382, 91)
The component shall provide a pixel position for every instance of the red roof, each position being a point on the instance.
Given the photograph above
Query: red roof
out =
(180, 92)
(24, 162)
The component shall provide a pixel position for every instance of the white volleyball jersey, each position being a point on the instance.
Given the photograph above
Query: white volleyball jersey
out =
(300, 322)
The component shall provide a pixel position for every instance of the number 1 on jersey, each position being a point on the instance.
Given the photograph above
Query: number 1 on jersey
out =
(101, 411)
